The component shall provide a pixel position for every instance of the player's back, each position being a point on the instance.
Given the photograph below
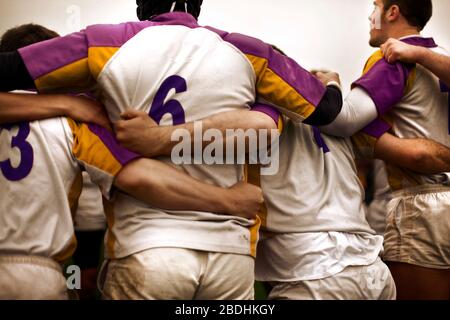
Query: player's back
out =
(315, 224)
(38, 173)
(317, 188)
(178, 74)
(422, 113)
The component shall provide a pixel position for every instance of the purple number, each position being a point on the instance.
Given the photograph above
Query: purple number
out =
(319, 140)
(173, 107)
(444, 89)
(26, 154)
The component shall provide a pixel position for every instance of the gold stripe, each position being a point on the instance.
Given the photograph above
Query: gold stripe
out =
(90, 149)
(75, 193)
(67, 253)
(73, 197)
(253, 175)
(99, 57)
(374, 58)
(75, 76)
(110, 220)
(364, 145)
(280, 125)
(411, 80)
(274, 89)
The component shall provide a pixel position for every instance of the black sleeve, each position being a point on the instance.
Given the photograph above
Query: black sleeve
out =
(328, 109)
(13, 73)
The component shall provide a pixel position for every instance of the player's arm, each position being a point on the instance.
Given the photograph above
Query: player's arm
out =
(284, 84)
(358, 111)
(395, 50)
(140, 133)
(165, 187)
(28, 107)
(156, 183)
(59, 65)
(419, 155)
(380, 88)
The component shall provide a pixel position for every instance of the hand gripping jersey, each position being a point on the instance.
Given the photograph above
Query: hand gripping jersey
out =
(414, 103)
(177, 72)
(40, 182)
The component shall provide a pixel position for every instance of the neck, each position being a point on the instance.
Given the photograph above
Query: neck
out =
(404, 32)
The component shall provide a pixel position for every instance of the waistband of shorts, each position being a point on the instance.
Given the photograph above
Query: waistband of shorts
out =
(30, 259)
(423, 189)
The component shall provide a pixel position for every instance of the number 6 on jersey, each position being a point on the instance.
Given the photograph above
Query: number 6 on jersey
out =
(173, 107)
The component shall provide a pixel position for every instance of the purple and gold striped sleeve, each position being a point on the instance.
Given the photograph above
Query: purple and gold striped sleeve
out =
(97, 150)
(60, 64)
(385, 83)
(74, 62)
(280, 81)
(366, 140)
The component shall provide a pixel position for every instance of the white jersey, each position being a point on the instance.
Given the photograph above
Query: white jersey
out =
(315, 224)
(414, 103)
(177, 71)
(90, 215)
(40, 182)
(422, 113)
(166, 78)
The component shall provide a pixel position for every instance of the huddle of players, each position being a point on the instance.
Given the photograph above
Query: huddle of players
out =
(312, 237)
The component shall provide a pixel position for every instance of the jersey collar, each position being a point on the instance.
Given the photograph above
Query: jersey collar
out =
(176, 18)
(417, 40)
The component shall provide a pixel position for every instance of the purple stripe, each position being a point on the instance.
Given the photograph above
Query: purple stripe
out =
(268, 110)
(176, 18)
(377, 128)
(122, 155)
(421, 42)
(286, 68)
(319, 140)
(44, 57)
(114, 35)
(221, 33)
(385, 83)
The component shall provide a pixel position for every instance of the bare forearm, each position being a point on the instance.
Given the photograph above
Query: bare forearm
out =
(419, 155)
(235, 120)
(162, 186)
(436, 63)
(28, 107)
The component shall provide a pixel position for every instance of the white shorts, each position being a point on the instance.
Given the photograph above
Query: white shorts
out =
(179, 274)
(373, 282)
(418, 227)
(31, 278)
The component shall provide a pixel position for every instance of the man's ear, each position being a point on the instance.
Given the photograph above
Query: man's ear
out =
(393, 13)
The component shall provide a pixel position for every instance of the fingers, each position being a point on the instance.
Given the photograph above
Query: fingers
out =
(132, 114)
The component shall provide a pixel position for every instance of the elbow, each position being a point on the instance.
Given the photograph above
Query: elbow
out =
(262, 121)
(421, 161)
(328, 109)
(131, 178)
(127, 181)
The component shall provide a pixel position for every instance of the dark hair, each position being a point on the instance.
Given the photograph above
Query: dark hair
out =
(25, 35)
(416, 12)
(148, 9)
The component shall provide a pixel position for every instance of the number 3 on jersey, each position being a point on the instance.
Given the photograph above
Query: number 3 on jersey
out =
(173, 107)
(26, 154)
(444, 89)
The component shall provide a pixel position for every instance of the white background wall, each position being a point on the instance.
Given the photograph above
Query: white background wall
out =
(321, 33)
